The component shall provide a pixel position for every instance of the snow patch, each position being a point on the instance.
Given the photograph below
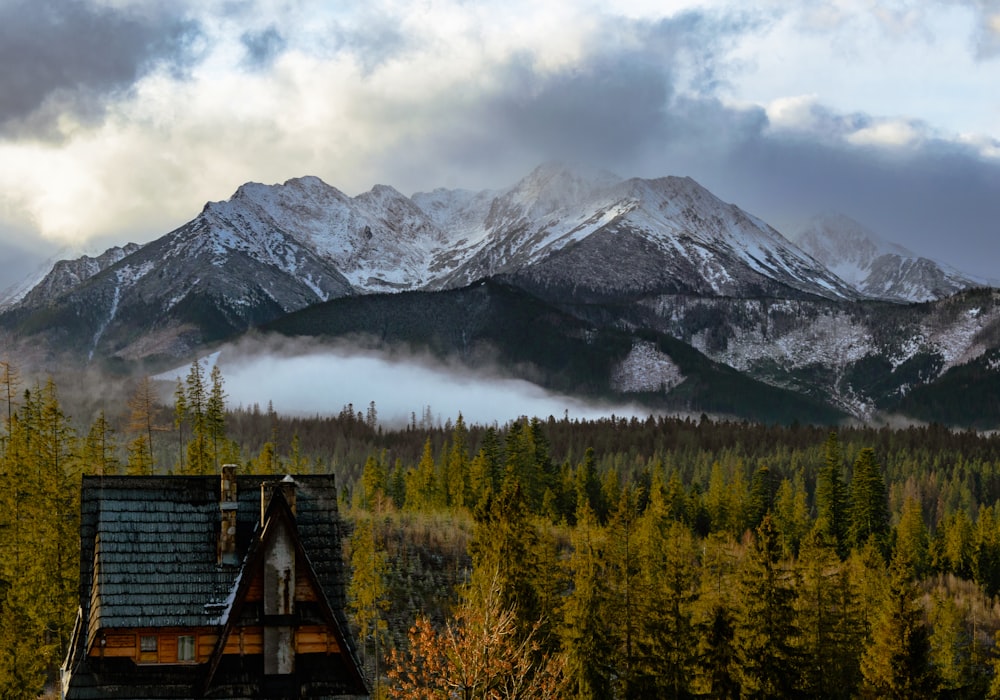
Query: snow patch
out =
(645, 368)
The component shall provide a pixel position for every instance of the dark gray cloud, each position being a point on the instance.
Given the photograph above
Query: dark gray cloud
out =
(263, 47)
(937, 198)
(621, 110)
(68, 56)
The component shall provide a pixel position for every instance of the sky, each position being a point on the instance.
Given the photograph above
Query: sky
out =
(119, 119)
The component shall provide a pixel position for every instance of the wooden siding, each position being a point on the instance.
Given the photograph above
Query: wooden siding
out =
(244, 641)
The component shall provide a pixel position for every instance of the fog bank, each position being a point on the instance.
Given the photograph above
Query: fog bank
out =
(317, 380)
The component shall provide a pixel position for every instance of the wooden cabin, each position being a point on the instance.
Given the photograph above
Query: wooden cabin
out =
(209, 587)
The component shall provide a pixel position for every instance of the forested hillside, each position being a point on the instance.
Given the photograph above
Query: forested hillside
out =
(550, 557)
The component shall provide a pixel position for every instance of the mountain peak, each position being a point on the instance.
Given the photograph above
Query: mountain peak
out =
(874, 266)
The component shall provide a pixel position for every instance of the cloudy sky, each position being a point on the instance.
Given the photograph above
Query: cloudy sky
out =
(119, 119)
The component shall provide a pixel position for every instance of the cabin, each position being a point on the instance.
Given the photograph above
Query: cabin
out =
(224, 586)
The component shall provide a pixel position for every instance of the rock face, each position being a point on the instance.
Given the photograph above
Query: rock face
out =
(662, 256)
(875, 268)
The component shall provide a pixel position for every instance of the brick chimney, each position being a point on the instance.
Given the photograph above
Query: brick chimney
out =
(227, 517)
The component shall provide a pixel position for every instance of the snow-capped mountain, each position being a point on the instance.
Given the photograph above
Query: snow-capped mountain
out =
(66, 275)
(599, 235)
(876, 268)
(270, 250)
(653, 264)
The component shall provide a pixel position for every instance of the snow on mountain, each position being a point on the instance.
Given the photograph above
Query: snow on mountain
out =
(876, 268)
(625, 235)
(645, 369)
(379, 240)
(67, 274)
(568, 234)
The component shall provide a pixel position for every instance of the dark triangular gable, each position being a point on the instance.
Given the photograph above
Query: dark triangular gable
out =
(278, 511)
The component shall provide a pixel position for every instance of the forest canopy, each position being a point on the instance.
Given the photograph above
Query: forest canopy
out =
(619, 557)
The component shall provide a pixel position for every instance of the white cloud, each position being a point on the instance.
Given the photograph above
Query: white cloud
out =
(890, 133)
(407, 93)
(796, 113)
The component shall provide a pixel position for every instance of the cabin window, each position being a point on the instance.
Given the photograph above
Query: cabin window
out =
(147, 642)
(185, 648)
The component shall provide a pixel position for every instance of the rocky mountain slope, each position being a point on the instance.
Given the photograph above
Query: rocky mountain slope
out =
(875, 268)
(661, 265)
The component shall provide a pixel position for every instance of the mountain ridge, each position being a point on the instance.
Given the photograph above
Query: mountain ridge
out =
(636, 256)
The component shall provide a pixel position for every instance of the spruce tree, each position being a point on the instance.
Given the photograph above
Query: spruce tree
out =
(368, 592)
(826, 620)
(589, 655)
(141, 405)
(869, 502)
(666, 589)
(100, 448)
(764, 619)
(831, 494)
(895, 661)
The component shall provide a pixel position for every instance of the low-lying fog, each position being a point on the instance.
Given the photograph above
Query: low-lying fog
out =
(309, 379)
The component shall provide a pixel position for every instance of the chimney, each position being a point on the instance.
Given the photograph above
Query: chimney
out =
(267, 490)
(227, 517)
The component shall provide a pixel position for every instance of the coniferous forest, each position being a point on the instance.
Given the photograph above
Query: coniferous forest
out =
(559, 558)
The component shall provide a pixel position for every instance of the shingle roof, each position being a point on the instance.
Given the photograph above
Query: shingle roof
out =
(149, 546)
(150, 558)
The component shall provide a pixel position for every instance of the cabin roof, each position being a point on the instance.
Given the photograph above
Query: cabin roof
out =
(149, 546)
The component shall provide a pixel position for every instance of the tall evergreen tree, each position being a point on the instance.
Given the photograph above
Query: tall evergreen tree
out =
(505, 546)
(826, 620)
(831, 494)
(368, 592)
(458, 465)
(142, 407)
(667, 590)
(895, 662)
(869, 501)
(100, 448)
(215, 415)
(764, 620)
(623, 572)
(199, 454)
(589, 654)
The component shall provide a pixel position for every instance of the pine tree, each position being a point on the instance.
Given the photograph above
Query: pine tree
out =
(623, 559)
(458, 466)
(825, 619)
(831, 494)
(986, 565)
(895, 661)
(180, 420)
(368, 592)
(869, 502)
(762, 491)
(504, 546)
(99, 448)
(199, 457)
(667, 590)
(717, 654)
(422, 487)
(951, 651)
(791, 515)
(911, 537)
(373, 480)
(141, 405)
(10, 382)
(764, 620)
(586, 646)
(215, 416)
